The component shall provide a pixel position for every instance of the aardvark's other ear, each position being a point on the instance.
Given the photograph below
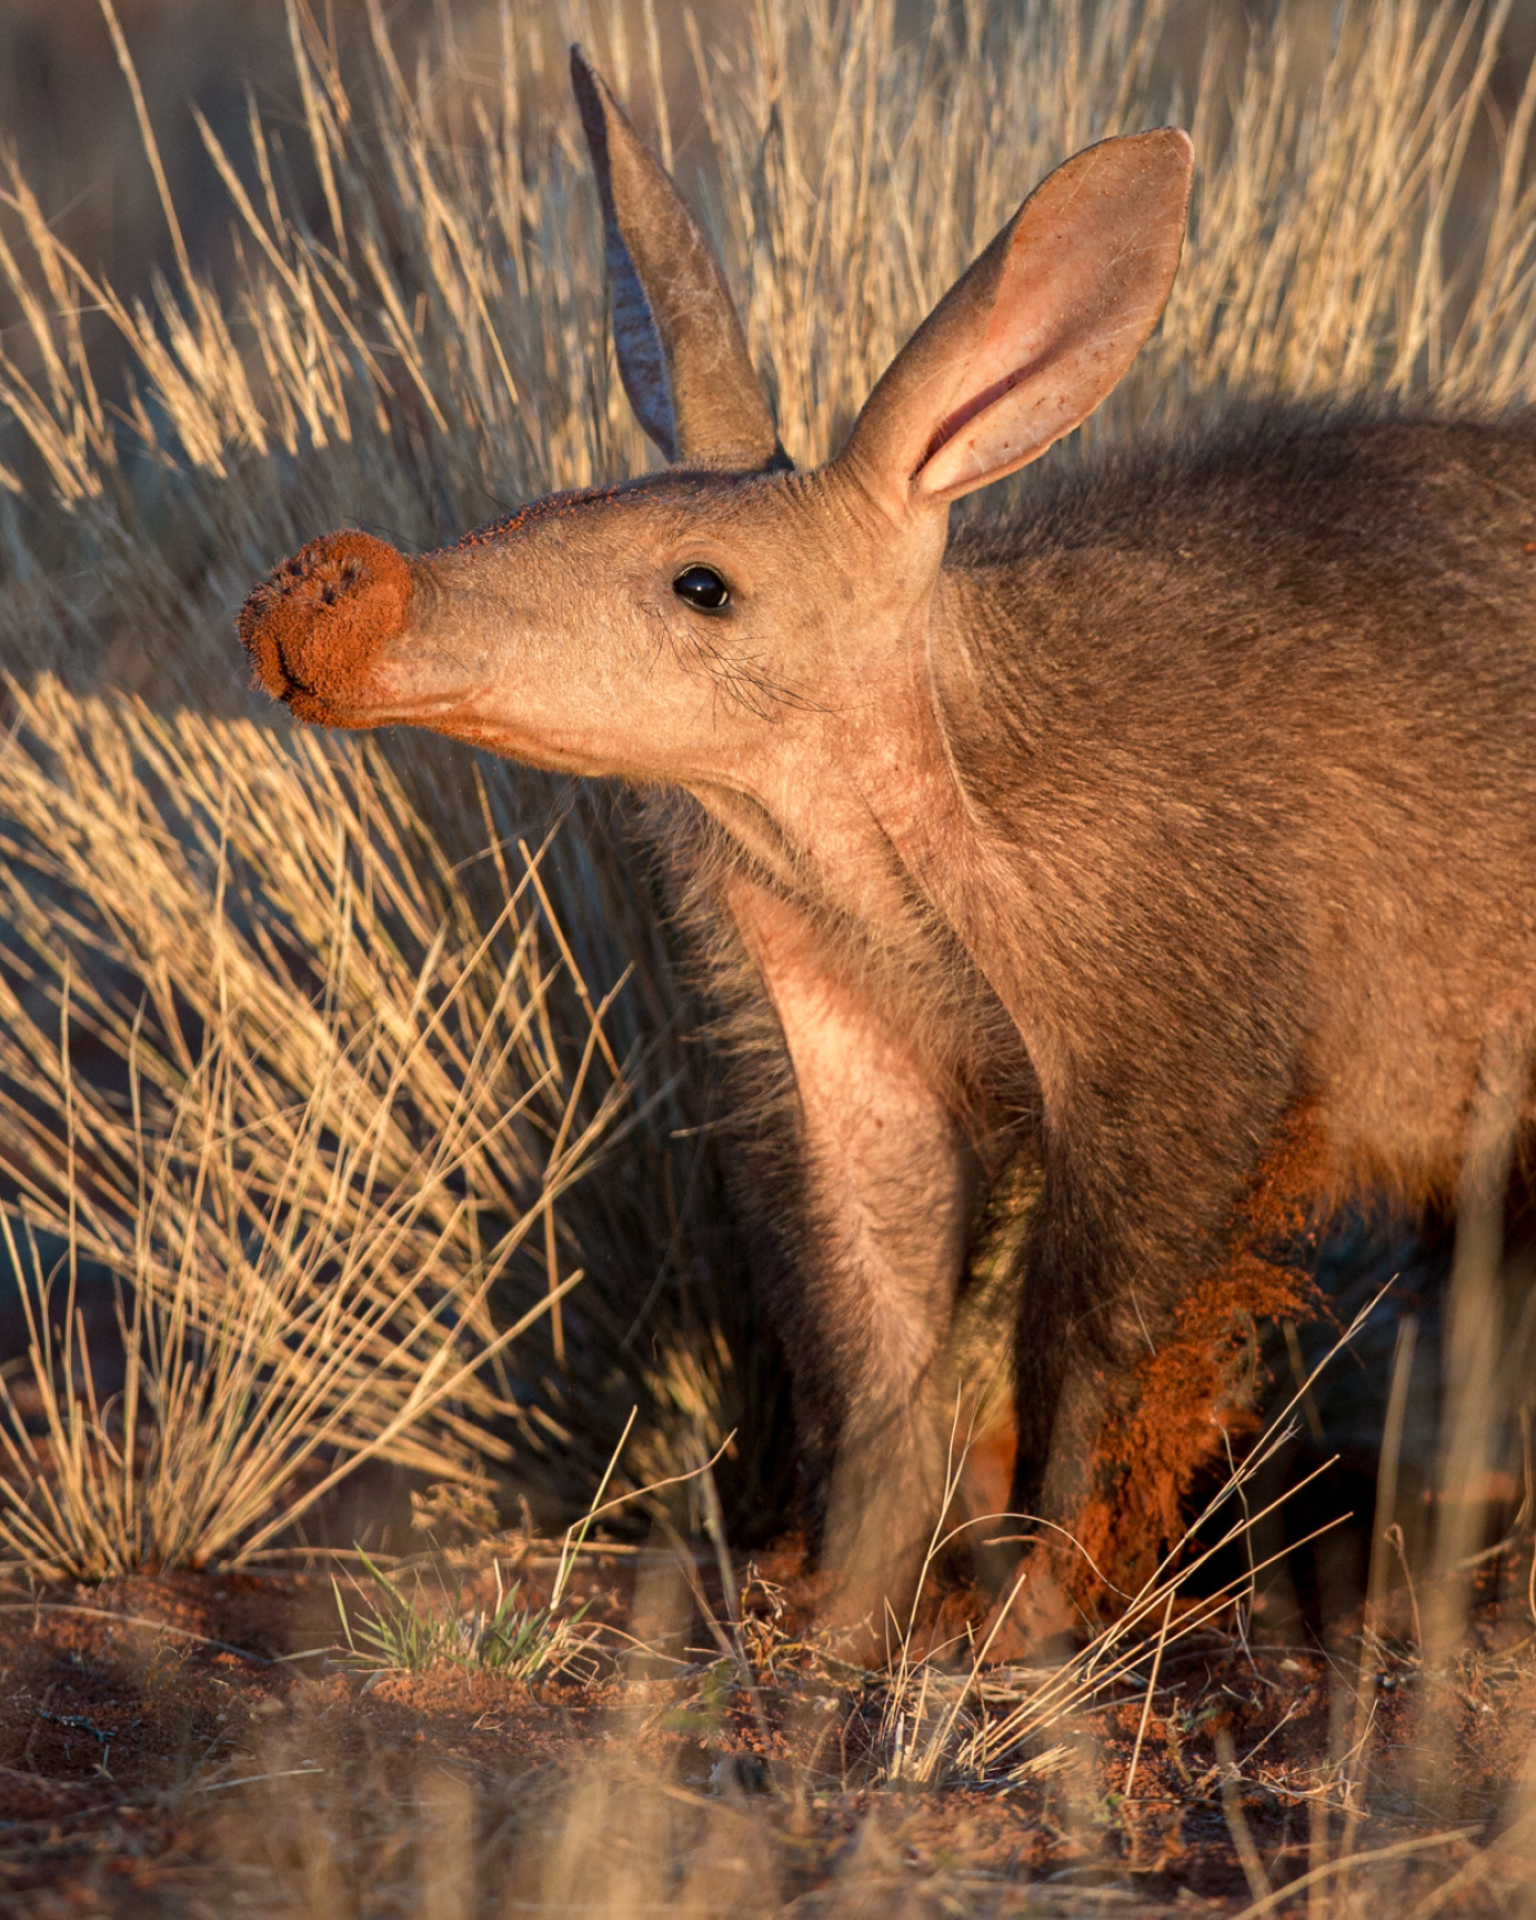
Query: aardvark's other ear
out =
(1037, 331)
(682, 353)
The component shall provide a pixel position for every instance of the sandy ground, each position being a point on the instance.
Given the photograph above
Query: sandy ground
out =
(202, 1745)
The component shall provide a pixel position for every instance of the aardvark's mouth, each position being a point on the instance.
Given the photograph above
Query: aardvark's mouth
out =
(316, 624)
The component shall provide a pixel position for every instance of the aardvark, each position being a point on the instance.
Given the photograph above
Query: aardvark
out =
(1178, 831)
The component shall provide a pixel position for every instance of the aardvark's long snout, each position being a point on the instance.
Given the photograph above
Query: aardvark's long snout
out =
(317, 623)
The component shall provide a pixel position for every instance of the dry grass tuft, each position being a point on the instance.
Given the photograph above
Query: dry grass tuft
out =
(267, 1067)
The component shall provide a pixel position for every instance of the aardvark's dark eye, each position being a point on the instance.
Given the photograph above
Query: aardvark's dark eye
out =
(701, 587)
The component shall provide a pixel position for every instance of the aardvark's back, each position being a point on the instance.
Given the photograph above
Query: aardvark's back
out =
(1262, 741)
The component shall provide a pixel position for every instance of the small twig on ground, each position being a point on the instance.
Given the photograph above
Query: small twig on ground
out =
(1394, 1533)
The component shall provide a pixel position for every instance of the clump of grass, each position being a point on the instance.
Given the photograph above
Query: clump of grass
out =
(396, 1631)
(405, 1632)
(261, 1064)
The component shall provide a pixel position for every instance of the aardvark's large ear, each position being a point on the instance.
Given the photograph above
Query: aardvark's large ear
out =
(682, 353)
(1038, 330)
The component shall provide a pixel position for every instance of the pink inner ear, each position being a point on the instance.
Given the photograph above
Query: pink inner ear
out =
(978, 403)
(1085, 275)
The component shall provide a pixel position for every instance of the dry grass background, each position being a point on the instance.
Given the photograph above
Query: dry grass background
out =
(323, 1066)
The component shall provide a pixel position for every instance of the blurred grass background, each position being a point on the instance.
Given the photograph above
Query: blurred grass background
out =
(70, 119)
(366, 288)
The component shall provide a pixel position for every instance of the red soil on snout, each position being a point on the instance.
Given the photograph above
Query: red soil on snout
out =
(317, 622)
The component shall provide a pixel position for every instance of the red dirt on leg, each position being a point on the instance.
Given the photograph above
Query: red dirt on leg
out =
(1168, 1423)
(1170, 1413)
(1166, 1416)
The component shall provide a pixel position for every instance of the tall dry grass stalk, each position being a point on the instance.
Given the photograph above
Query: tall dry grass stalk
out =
(268, 1013)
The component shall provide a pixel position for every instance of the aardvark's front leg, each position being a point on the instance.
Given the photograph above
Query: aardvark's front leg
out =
(888, 1184)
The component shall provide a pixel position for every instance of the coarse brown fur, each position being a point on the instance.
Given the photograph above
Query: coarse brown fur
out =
(1172, 839)
(1275, 712)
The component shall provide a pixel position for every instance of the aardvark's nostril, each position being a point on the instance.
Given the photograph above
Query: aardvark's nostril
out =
(316, 622)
